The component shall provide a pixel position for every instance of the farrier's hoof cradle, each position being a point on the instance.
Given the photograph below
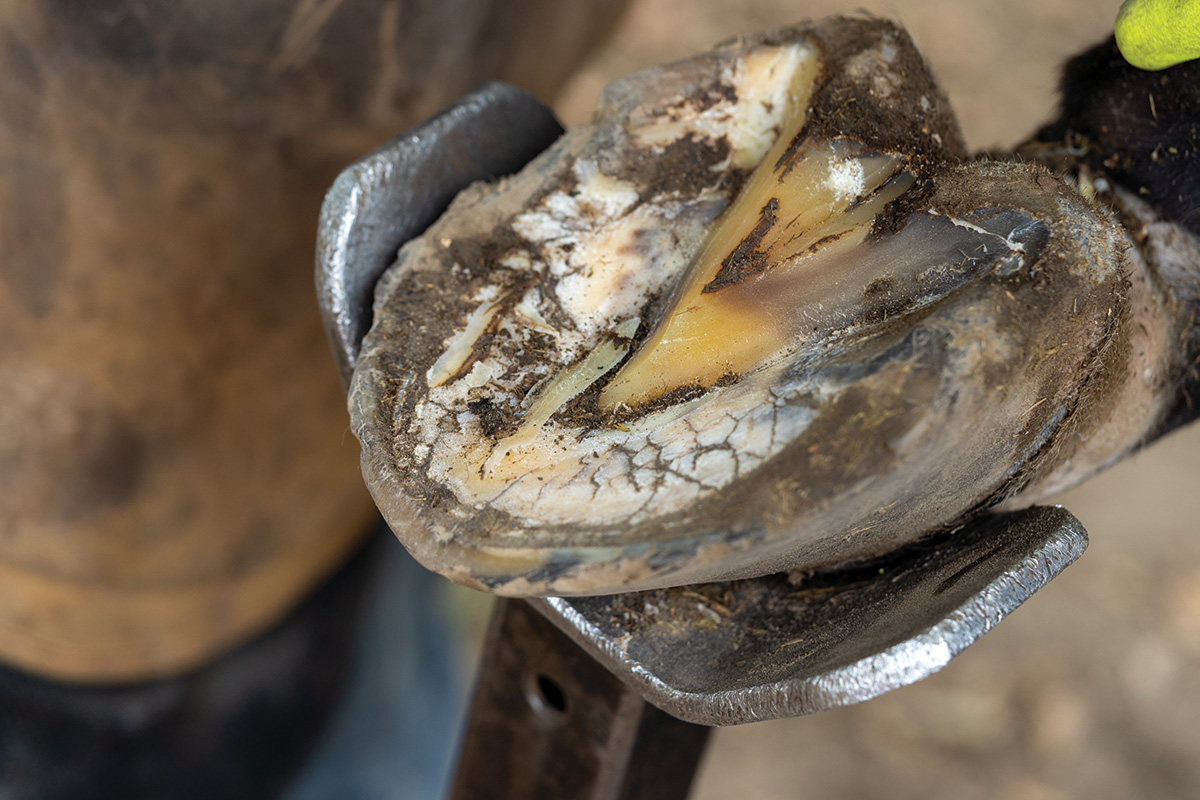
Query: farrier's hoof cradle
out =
(760, 315)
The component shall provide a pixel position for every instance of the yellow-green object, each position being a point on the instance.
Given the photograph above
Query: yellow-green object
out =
(1156, 34)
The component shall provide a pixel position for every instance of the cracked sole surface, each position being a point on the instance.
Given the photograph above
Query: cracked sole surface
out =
(731, 329)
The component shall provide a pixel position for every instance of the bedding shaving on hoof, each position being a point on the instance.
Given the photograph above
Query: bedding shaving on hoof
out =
(762, 314)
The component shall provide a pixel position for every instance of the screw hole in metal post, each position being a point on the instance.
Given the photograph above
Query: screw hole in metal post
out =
(547, 696)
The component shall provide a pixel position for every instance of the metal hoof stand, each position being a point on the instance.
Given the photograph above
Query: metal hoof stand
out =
(611, 697)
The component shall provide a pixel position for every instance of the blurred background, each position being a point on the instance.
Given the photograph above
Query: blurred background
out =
(1092, 689)
(173, 447)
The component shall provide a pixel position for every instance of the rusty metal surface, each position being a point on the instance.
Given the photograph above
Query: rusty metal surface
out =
(728, 653)
(767, 648)
(549, 721)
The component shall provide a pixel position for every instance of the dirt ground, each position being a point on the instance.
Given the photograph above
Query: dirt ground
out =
(1092, 689)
